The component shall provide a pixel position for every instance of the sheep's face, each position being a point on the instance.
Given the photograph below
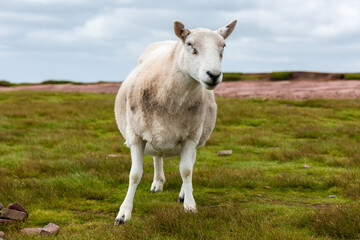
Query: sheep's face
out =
(202, 53)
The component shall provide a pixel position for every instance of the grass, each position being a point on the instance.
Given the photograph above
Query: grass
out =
(231, 76)
(59, 82)
(4, 83)
(280, 76)
(54, 159)
(352, 76)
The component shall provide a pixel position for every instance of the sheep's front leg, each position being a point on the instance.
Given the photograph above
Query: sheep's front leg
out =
(137, 156)
(159, 176)
(187, 160)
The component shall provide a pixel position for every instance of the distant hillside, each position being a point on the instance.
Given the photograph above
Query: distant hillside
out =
(234, 76)
(289, 76)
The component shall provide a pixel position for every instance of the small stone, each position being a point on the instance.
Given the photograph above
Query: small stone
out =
(1, 206)
(2, 235)
(19, 207)
(50, 229)
(31, 231)
(332, 196)
(306, 166)
(113, 155)
(13, 214)
(259, 195)
(266, 187)
(224, 153)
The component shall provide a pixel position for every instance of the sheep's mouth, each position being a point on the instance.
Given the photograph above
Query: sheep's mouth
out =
(211, 85)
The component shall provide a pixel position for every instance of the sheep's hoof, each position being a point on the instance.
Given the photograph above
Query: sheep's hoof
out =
(119, 221)
(189, 209)
(181, 199)
(157, 186)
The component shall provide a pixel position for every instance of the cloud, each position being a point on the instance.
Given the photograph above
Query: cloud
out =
(270, 35)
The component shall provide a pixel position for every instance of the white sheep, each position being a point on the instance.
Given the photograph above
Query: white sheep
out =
(165, 107)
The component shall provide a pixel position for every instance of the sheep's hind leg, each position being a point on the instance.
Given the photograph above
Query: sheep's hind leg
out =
(187, 160)
(159, 176)
(137, 156)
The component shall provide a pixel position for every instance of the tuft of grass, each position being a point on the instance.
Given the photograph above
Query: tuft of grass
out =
(352, 76)
(280, 76)
(341, 222)
(4, 83)
(231, 76)
(59, 82)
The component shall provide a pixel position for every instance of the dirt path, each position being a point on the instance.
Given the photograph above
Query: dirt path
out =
(243, 89)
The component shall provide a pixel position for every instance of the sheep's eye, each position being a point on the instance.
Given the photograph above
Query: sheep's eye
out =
(194, 51)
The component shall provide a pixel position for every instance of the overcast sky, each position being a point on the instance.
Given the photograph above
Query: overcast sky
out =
(89, 40)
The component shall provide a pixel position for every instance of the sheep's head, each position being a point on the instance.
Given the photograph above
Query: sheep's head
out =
(202, 52)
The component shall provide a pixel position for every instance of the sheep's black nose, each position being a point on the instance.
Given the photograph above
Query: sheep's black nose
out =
(212, 76)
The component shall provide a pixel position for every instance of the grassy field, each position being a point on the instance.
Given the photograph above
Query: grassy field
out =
(54, 159)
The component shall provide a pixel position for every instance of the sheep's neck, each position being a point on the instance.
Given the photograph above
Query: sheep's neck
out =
(180, 89)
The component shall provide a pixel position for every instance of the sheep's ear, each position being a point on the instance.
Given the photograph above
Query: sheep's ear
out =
(227, 30)
(180, 30)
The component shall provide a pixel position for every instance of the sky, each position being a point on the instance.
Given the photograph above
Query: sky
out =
(93, 40)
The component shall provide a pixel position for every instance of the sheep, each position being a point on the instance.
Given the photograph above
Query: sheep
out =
(166, 107)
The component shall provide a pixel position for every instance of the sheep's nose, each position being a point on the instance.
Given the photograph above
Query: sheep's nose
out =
(213, 77)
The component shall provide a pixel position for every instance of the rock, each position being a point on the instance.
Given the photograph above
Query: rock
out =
(19, 207)
(50, 229)
(306, 166)
(2, 235)
(259, 195)
(224, 153)
(332, 196)
(4, 221)
(13, 214)
(31, 231)
(1, 206)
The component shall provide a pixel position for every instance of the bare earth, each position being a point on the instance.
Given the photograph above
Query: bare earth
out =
(241, 89)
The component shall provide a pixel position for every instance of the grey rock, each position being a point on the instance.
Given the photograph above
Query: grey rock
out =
(13, 214)
(332, 196)
(30, 231)
(259, 195)
(2, 235)
(224, 153)
(19, 207)
(306, 166)
(50, 229)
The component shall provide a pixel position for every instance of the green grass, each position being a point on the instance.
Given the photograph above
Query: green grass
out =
(54, 151)
(352, 76)
(59, 82)
(229, 76)
(4, 83)
(280, 76)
